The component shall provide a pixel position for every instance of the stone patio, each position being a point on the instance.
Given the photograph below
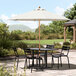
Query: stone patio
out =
(62, 71)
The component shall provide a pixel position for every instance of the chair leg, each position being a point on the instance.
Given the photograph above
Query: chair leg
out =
(29, 62)
(15, 58)
(68, 61)
(42, 64)
(52, 62)
(17, 62)
(25, 64)
(61, 61)
(31, 69)
(36, 62)
(39, 63)
(58, 62)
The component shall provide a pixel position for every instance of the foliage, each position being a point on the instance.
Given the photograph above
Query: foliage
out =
(4, 36)
(3, 52)
(57, 27)
(34, 45)
(55, 36)
(22, 45)
(54, 27)
(3, 30)
(57, 45)
(71, 13)
(5, 43)
(53, 30)
(19, 44)
(30, 35)
(17, 35)
(42, 27)
(73, 46)
(4, 72)
(69, 32)
(66, 43)
(6, 52)
(10, 71)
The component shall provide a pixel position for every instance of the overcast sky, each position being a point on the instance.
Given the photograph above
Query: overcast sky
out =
(10, 8)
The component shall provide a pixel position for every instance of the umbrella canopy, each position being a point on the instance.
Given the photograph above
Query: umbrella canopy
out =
(71, 22)
(38, 15)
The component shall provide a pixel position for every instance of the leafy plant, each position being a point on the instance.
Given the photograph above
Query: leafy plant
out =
(4, 72)
(73, 46)
(3, 52)
(57, 45)
(66, 44)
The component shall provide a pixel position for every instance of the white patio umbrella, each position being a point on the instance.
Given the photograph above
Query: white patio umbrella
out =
(38, 15)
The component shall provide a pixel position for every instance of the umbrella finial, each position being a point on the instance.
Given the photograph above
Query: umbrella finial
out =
(39, 7)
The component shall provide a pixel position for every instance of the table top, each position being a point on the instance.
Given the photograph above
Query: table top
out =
(41, 49)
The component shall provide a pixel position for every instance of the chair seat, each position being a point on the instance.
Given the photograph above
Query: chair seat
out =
(63, 55)
(42, 54)
(39, 58)
(35, 57)
(31, 57)
(56, 55)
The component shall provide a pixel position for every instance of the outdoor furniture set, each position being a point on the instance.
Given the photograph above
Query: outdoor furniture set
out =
(38, 57)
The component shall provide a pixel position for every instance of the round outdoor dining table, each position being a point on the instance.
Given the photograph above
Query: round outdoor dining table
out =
(41, 49)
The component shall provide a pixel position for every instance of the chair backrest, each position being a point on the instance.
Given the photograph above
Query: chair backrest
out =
(66, 49)
(27, 52)
(50, 46)
(15, 51)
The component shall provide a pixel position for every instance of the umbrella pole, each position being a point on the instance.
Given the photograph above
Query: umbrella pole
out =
(39, 35)
(39, 42)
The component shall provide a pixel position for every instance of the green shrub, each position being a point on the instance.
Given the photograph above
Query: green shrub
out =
(20, 51)
(52, 36)
(8, 52)
(19, 44)
(15, 36)
(22, 45)
(5, 43)
(3, 52)
(73, 46)
(4, 72)
(60, 36)
(33, 45)
(57, 45)
(11, 52)
(10, 71)
(66, 44)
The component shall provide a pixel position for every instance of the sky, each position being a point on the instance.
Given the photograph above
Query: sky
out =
(11, 8)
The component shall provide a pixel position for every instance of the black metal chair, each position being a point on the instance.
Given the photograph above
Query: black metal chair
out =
(51, 47)
(30, 56)
(16, 55)
(61, 54)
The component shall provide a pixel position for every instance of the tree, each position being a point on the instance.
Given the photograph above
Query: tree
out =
(56, 27)
(71, 13)
(4, 37)
(3, 30)
(42, 27)
(17, 32)
(17, 35)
